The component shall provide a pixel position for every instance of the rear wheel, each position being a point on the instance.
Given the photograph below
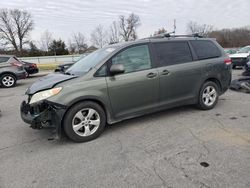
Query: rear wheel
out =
(8, 80)
(84, 122)
(208, 96)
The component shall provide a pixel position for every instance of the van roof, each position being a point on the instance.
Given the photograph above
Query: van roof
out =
(155, 39)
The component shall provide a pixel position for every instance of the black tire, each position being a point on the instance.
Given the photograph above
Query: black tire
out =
(4, 76)
(201, 103)
(233, 66)
(68, 121)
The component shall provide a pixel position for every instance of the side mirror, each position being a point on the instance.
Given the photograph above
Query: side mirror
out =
(117, 69)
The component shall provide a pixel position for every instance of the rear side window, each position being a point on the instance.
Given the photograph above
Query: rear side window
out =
(205, 49)
(170, 53)
(3, 59)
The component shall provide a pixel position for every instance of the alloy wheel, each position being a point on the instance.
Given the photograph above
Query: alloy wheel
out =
(8, 81)
(209, 95)
(86, 122)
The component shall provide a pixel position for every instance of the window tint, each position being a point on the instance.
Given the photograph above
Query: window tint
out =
(134, 59)
(3, 59)
(205, 49)
(169, 53)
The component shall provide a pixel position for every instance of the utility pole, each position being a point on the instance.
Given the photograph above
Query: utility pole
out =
(174, 26)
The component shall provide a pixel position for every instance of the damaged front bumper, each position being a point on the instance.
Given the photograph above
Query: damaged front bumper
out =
(45, 114)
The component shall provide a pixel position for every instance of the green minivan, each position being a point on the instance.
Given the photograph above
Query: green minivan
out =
(127, 80)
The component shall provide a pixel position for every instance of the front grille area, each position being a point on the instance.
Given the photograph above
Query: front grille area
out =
(35, 110)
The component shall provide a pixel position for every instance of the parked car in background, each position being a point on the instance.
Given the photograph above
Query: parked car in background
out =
(230, 51)
(241, 58)
(31, 68)
(65, 66)
(127, 80)
(11, 70)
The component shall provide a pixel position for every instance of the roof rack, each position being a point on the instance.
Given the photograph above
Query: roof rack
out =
(172, 35)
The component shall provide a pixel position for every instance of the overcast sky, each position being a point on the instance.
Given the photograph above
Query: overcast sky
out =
(63, 17)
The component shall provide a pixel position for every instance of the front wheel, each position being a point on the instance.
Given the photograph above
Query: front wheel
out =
(85, 121)
(208, 96)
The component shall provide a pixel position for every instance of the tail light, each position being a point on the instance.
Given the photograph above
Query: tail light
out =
(34, 65)
(228, 61)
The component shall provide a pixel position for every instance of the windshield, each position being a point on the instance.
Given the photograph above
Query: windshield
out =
(230, 51)
(85, 64)
(244, 50)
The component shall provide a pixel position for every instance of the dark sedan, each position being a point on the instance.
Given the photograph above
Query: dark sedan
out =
(31, 68)
(63, 67)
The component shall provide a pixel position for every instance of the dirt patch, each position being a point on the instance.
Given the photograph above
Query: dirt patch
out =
(228, 136)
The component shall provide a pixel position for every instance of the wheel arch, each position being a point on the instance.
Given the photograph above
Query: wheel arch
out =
(8, 72)
(91, 99)
(215, 80)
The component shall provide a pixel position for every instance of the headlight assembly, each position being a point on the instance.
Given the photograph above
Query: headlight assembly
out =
(45, 94)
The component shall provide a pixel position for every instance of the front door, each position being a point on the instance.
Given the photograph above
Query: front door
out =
(135, 91)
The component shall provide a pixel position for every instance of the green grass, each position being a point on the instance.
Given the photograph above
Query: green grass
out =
(51, 66)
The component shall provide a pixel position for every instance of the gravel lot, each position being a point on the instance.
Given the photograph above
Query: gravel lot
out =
(160, 150)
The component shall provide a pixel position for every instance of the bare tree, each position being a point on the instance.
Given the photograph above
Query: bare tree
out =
(15, 26)
(128, 26)
(79, 41)
(160, 31)
(46, 40)
(201, 29)
(114, 35)
(72, 47)
(99, 36)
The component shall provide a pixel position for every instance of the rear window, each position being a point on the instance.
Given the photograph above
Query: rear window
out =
(205, 49)
(3, 59)
(170, 53)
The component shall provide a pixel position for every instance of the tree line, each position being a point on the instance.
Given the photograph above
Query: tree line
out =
(227, 38)
(16, 26)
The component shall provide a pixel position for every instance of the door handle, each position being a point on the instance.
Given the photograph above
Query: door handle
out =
(151, 75)
(165, 72)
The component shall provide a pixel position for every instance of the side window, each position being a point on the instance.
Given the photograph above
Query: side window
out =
(170, 53)
(102, 71)
(205, 49)
(134, 59)
(4, 59)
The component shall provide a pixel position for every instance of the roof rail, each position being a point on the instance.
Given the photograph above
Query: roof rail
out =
(172, 35)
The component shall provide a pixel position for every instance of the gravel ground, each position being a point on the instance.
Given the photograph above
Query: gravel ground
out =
(181, 147)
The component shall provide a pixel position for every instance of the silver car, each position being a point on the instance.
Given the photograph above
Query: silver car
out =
(10, 71)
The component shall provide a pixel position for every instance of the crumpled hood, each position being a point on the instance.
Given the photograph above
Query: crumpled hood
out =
(239, 55)
(48, 82)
